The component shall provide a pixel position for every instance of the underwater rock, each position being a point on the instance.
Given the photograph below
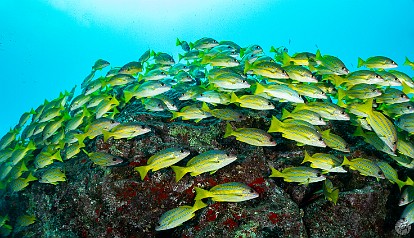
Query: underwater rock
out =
(358, 213)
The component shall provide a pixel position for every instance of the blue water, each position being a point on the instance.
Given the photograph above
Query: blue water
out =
(47, 46)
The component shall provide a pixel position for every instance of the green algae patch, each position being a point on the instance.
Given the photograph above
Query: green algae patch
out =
(199, 138)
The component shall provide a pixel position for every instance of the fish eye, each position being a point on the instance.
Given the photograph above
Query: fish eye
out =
(374, 90)
(377, 76)
(162, 84)
(380, 172)
(112, 121)
(344, 68)
(320, 119)
(183, 94)
(235, 60)
(258, 47)
(271, 140)
(201, 95)
(185, 66)
(182, 151)
(228, 154)
(393, 62)
(318, 175)
(395, 79)
(244, 81)
(394, 142)
(214, 41)
(320, 139)
(159, 105)
(269, 103)
(284, 72)
(240, 116)
(162, 73)
(409, 107)
(402, 96)
(114, 159)
(142, 127)
(343, 112)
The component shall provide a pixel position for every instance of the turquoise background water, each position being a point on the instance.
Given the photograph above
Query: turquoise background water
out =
(49, 46)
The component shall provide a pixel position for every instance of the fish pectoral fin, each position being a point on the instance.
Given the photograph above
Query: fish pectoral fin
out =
(195, 173)
(212, 172)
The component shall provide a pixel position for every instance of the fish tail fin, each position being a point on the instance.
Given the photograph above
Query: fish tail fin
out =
(114, 101)
(307, 158)
(247, 67)
(191, 44)
(205, 107)
(359, 132)
(229, 130)
(275, 125)
(57, 156)
(407, 61)
(233, 98)
(142, 170)
(346, 161)
(81, 145)
(259, 89)
(199, 205)
(275, 173)
(23, 167)
(201, 193)
(273, 49)
(285, 114)
(127, 95)
(409, 182)
(242, 50)
(341, 95)
(366, 107)
(400, 184)
(338, 80)
(86, 112)
(361, 62)
(180, 57)
(286, 59)
(177, 42)
(30, 178)
(407, 89)
(106, 135)
(179, 172)
(175, 115)
(31, 145)
(80, 137)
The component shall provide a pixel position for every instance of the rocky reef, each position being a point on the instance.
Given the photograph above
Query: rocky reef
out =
(114, 202)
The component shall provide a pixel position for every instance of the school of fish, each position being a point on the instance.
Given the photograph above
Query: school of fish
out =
(216, 79)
